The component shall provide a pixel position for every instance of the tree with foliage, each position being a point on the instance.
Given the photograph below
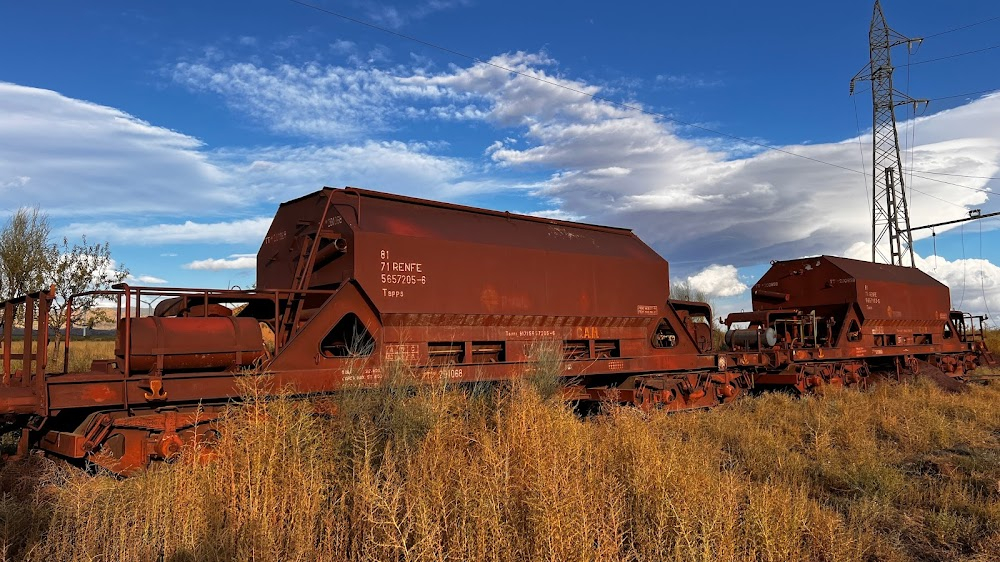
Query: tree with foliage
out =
(23, 252)
(683, 291)
(75, 269)
(28, 262)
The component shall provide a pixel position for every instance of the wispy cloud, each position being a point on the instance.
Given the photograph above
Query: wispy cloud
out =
(332, 102)
(19, 181)
(314, 100)
(685, 81)
(78, 156)
(394, 17)
(235, 261)
(99, 162)
(145, 279)
(245, 231)
(280, 172)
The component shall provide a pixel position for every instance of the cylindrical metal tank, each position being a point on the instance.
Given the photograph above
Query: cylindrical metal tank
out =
(190, 343)
(748, 339)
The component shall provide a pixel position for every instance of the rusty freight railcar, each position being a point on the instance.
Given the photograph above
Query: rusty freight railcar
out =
(832, 319)
(437, 284)
(352, 282)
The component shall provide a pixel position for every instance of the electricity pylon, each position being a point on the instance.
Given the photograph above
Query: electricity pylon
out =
(891, 239)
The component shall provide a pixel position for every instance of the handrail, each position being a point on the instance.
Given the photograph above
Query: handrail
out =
(124, 291)
(33, 362)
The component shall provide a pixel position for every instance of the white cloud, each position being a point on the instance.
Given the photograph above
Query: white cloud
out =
(279, 173)
(684, 81)
(697, 201)
(342, 46)
(145, 279)
(245, 231)
(701, 205)
(557, 214)
(317, 101)
(98, 162)
(79, 157)
(717, 281)
(395, 18)
(974, 282)
(235, 261)
(324, 101)
(19, 181)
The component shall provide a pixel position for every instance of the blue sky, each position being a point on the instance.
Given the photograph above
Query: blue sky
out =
(173, 130)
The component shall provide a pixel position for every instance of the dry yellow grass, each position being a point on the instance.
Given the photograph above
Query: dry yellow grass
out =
(992, 338)
(895, 473)
(82, 353)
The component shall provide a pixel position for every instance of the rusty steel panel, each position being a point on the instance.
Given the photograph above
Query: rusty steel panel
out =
(825, 308)
(416, 256)
(881, 292)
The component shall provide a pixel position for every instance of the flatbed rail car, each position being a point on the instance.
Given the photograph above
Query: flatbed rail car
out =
(833, 320)
(349, 281)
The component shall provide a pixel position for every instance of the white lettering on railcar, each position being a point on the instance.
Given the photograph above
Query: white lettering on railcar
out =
(370, 374)
(404, 352)
(531, 333)
(276, 237)
(447, 373)
(871, 297)
(395, 273)
(647, 309)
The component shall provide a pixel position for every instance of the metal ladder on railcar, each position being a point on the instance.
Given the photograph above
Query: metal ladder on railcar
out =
(291, 313)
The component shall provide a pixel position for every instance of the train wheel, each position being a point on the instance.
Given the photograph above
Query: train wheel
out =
(133, 442)
(123, 451)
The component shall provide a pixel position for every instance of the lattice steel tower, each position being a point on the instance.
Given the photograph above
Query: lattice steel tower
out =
(891, 239)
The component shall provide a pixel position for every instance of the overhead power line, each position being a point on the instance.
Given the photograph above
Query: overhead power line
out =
(950, 183)
(952, 203)
(946, 57)
(938, 34)
(967, 94)
(957, 175)
(581, 92)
